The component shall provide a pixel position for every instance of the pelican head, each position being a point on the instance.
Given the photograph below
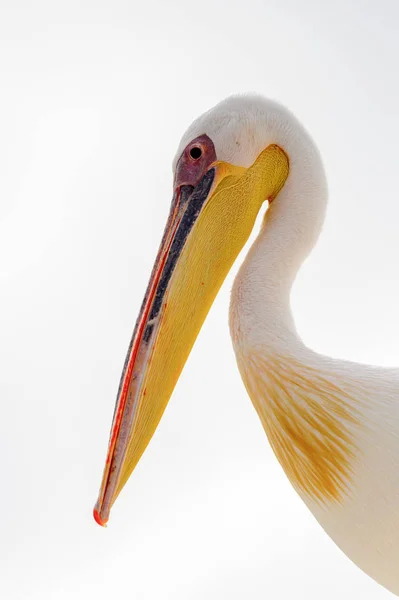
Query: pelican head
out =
(230, 161)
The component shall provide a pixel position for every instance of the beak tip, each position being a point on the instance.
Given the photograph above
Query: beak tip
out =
(98, 519)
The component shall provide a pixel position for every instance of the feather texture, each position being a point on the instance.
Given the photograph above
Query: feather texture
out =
(334, 425)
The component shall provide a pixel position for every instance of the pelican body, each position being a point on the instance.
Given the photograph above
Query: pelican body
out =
(333, 425)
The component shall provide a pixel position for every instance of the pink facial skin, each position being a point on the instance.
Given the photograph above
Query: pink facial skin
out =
(195, 160)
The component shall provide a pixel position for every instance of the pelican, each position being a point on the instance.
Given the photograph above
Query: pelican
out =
(333, 424)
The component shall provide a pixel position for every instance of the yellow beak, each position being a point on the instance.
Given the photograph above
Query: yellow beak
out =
(206, 229)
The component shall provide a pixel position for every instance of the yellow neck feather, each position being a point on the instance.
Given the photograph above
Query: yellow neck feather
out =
(309, 421)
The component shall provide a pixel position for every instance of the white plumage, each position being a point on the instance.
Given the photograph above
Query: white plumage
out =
(334, 425)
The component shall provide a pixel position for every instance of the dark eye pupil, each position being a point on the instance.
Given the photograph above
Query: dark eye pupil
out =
(195, 152)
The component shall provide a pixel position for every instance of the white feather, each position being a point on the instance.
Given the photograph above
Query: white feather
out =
(365, 522)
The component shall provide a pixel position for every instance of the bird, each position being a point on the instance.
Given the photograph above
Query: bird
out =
(332, 424)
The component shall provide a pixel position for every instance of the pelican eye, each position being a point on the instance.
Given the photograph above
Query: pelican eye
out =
(195, 152)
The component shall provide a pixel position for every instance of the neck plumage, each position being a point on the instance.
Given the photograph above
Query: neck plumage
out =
(260, 313)
(309, 420)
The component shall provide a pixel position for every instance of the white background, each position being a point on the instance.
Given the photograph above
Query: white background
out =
(94, 98)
